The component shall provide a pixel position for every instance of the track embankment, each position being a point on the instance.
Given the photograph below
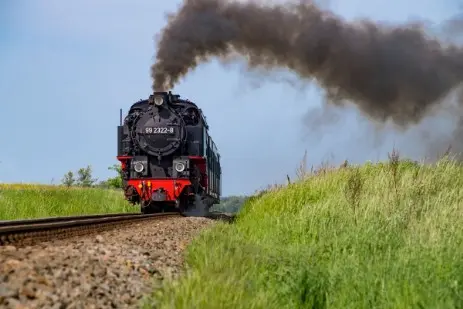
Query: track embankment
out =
(110, 269)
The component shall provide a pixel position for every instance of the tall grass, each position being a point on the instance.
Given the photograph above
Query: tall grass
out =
(24, 201)
(386, 235)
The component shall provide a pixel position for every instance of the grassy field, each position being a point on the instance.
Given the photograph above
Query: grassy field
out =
(385, 235)
(23, 201)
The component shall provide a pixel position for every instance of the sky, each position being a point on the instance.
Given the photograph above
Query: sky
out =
(67, 67)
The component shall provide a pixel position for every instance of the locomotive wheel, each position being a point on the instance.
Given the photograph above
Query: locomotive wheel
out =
(145, 209)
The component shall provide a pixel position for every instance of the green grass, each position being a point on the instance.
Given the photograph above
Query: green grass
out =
(23, 201)
(385, 235)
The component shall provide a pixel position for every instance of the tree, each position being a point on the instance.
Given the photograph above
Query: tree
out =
(115, 182)
(84, 178)
(68, 179)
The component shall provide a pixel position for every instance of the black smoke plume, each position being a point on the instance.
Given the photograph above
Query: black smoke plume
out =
(396, 73)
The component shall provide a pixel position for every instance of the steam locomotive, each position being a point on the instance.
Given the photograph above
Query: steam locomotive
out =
(169, 162)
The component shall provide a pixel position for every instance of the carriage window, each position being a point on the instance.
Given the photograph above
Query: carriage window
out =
(204, 141)
(209, 148)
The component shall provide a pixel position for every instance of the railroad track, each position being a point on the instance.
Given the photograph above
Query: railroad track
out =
(29, 232)
(32, 231)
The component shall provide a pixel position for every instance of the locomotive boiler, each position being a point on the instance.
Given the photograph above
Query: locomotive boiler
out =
(169, 161)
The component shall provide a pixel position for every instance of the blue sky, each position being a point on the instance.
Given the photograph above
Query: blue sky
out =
(66, 67)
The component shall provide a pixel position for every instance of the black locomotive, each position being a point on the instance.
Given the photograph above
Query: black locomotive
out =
(168, 159)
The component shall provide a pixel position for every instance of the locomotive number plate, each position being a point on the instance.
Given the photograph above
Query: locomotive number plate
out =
(158, 130)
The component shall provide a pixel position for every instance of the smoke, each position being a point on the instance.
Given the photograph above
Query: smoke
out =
(199, 209)
(396, 73)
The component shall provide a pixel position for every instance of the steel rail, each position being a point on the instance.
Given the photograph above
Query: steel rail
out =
(18, 231)
(57, 222)
(64, 218)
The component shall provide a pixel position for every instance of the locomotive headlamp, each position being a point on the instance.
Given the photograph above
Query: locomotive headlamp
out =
(138, 167)
(179, 167)
(158, 100)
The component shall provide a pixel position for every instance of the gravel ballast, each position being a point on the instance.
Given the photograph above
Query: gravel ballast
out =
(113, 269)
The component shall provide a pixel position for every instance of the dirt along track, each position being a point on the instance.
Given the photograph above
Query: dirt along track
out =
(109, 269)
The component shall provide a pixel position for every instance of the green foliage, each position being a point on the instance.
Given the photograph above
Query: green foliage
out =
(116, 181)
(230, 204)
(386, 235)
(68, 179)
(85, 178)
(36, 201)
(77, 195)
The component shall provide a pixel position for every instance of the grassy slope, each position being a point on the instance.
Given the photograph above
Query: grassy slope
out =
(378, 236)
(24, 201)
